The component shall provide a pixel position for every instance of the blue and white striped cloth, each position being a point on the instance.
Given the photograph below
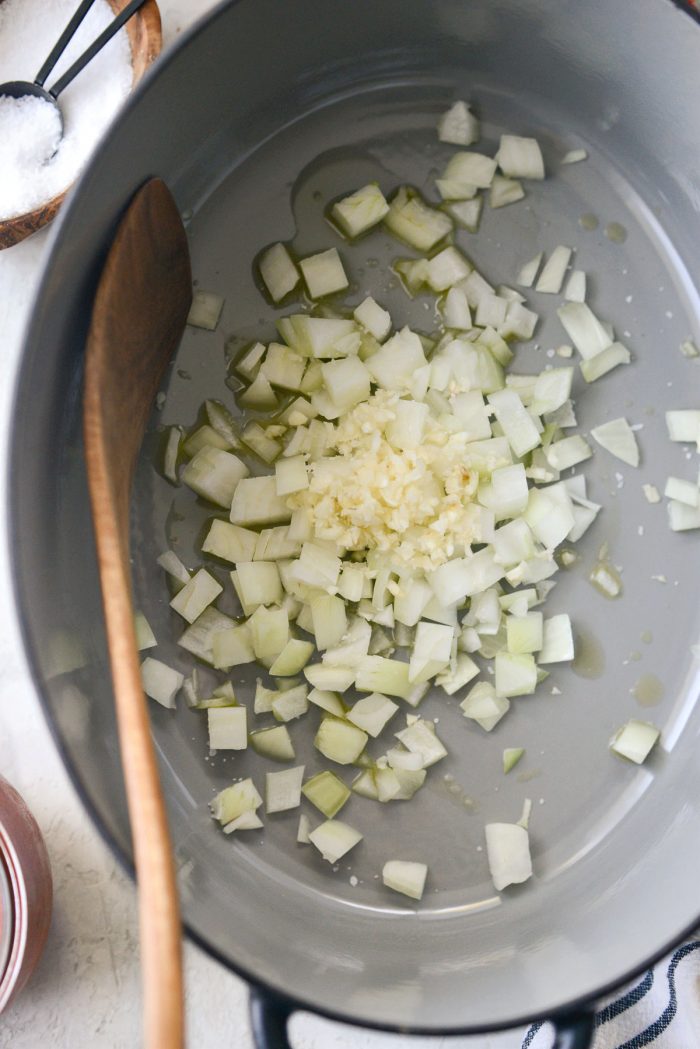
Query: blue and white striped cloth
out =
(661, 1009)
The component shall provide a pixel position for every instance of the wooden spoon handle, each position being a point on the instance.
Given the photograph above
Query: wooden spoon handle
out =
(159, 915)
(139, 313)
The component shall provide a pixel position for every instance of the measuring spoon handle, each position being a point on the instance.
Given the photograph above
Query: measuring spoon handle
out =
(62, 42)
(97, 45)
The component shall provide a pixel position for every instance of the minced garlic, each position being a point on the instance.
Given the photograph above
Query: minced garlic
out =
(415, 504)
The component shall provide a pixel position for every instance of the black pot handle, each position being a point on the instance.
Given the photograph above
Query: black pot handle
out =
(269, 1019)
(574, 1031)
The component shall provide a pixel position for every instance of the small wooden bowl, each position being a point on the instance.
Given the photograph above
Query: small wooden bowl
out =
(145, 41)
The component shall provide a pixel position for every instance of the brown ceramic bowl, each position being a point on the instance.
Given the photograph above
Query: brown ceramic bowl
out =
(26, 908)
(145, 40)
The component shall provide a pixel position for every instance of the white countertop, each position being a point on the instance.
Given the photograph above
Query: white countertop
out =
(86, 989)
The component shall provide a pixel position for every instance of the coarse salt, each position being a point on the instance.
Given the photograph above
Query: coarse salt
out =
(32, 170)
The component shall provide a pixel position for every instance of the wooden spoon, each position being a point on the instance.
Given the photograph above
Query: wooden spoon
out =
(140, 309)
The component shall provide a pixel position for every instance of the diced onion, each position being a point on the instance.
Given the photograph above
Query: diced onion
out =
(635, 740)
(520, 157)
(161, 682)
(528, 272)
(360, 211)
(278, 271)
(205, 310)
(283, 789)
(458, 125)
(508, 852)
(323, 273)
(552, 275)
(334, 839)
(505, 191)
(617, 437)
(405, 877)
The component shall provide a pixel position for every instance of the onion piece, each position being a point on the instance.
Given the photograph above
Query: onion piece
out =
(447, 268)
(484, 706)
(214, 474)
(334, 839)
(618, 438)
(465, 670)
(145, 638)
(340, 741)
(171, 563)
(326, 700)
(373, 318)
(161, 682)
(505, 191)
(517, 424)
(205, 310)
(508, 852)
(683, 425)
(289, 705)
(605, 361)
(574, 156)
(293, 658)
(584, 329)
(331, 678)
(275, 743)
(575, 290)
(405, 877)
(516, 674)
(386, 676)
(683, 491)
(372, 713)
(283, 789)
(278, 271)
(249, 363)
(551, 391)
(520, 322)
(196, 595)
(524, 633)
(323, 273)
(557, 640)
(431, 651)
(552, 275)
(412, 221)
(227, 728)
(360, 211)
(474, 169)
(458, 125)
(528, 272)
(570, 451)
(681, 517)
(511, 757)
(689, 349)
(420, 738)
(327, 792)
(170, 455)
(303, 830)
(233, 801)
(635, 740)
(520, 157)
(283, 367)
(466, 213)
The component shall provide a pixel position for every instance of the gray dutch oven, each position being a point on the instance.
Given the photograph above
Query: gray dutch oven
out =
(262, 114)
